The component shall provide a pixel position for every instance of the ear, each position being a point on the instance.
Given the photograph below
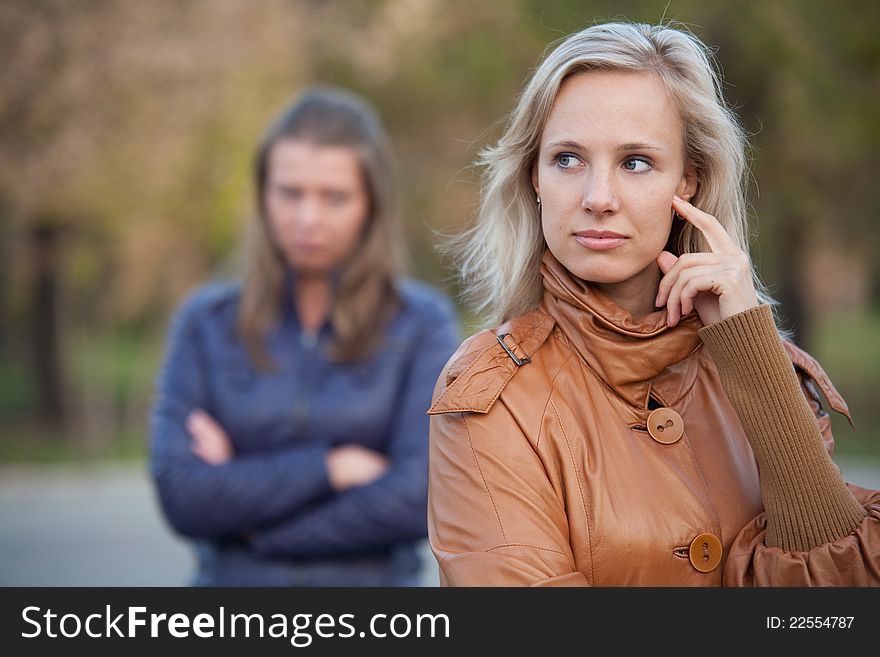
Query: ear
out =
(535, 184)
(687, 188)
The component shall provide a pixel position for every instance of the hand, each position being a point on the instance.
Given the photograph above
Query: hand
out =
(209, 440)
(353, 465)
(719, 283)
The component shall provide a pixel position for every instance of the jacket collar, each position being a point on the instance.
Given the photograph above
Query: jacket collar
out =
(289, 313)
(626, 354)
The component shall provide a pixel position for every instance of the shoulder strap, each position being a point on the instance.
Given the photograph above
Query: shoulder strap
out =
(810, 366)
(476, 380)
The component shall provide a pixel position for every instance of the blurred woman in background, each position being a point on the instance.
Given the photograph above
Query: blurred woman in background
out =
(289, 436)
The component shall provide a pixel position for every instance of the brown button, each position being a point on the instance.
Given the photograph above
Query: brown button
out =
(705, 552)
(665, 425)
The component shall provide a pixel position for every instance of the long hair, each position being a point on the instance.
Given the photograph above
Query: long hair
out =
(365, 293)
(498, 259)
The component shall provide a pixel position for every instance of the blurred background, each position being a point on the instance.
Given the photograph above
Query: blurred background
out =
(127, 131)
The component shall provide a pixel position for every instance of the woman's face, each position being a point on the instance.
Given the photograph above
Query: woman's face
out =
(611, 158)
(316, 203)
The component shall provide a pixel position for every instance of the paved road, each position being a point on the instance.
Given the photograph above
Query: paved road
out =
(99, 525)
(96, 525)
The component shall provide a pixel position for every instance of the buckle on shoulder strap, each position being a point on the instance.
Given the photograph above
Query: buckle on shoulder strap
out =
(519, 360)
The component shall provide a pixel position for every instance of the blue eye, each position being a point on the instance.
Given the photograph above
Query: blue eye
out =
(567, 160)
(636, 164)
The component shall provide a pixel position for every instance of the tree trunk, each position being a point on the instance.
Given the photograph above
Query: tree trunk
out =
(45, 333)
(5, 278)
(792, 293)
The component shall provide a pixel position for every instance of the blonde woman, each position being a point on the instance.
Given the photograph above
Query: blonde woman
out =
(289, 437)
(636, 420)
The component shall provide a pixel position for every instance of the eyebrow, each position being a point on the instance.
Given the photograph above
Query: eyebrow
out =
(629, 146)
(638, 146)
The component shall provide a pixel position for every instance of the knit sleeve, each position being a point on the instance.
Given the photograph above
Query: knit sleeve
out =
(815, 529)
(853, 560)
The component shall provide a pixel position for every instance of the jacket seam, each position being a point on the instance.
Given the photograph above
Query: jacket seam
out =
(580, 491)
(526, 545)
(550, 396)
(483, 478)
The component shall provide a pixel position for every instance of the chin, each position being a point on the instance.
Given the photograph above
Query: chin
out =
(600, 275)
(311, 269)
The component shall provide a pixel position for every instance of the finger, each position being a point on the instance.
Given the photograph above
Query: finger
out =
(704, 283)
(200, 451)
(687, 300)
(718, 239)
(195, 426)
(674, 305)
(666, 261)
(685, 261)
(197, 418)
(205, 420)
(204, 427)
(206, 454)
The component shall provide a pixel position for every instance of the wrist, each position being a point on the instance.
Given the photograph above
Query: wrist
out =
(728, 310)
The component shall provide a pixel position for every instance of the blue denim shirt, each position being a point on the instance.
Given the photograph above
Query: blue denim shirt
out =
(269, 516)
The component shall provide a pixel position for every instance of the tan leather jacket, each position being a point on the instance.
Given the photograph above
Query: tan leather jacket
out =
(577, 446)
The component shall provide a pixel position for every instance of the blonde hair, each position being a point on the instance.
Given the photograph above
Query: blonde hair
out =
(498, 259)
(365, 294)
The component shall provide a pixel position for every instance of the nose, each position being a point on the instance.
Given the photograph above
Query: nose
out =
(600, 196)
(308, 214)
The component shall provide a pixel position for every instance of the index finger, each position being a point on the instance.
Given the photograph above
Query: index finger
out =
(718, 239)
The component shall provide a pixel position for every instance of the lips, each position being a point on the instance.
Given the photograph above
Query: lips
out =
(599, 234)
(600, 240)
(307, 246)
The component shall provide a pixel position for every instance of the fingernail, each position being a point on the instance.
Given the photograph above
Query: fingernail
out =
(677, 197)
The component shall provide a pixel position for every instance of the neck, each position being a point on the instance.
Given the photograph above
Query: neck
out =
(312, 296)
(636, 294)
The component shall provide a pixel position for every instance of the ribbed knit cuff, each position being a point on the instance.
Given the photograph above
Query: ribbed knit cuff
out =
(806, 501)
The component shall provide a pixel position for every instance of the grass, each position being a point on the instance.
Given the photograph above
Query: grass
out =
(23, 443)
(110, 387)
(848, 347)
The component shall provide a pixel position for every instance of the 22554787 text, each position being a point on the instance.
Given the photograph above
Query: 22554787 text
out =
(810, 622)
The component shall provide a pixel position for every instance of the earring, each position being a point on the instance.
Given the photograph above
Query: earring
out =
(538, 199)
